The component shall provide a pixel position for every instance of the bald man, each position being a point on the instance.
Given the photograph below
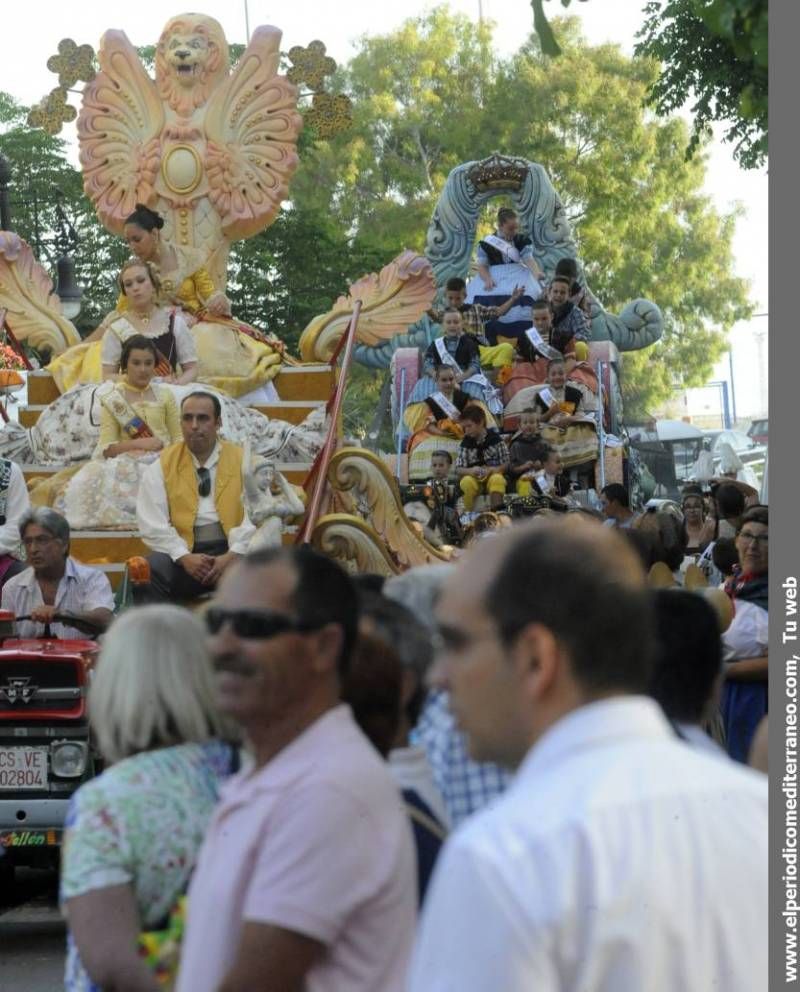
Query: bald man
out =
(619, 859)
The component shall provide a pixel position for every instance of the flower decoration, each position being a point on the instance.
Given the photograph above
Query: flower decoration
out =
(310, 66)
(53, 112)
(73, 63)
(330, 114)
(10, 366)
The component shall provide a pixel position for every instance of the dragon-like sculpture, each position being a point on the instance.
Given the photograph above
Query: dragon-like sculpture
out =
(451, 239)
(210, 149)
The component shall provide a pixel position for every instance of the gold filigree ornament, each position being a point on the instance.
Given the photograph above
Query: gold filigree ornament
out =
(330, 114)
(73, 63)
(53, 112)
(310, 66)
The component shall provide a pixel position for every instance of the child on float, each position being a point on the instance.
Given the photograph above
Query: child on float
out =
(527, 451)
(474, 317)
(460, 352)
(482, 460)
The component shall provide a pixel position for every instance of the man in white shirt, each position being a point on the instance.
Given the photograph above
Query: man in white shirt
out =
(56, 585)
(14, 503)
(190, 508)
(619, 859)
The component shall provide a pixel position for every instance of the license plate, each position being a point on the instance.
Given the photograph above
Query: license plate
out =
(23, 768)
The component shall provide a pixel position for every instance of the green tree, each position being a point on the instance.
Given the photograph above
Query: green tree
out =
(427, 99)
(717, 51)
(43, 185)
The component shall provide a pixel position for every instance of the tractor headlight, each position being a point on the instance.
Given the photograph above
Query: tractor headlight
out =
(68, 758)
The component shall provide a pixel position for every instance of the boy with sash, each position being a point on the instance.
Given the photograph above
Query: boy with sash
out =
(527, 452)
(460, 352)
(482, 460)
(14, 504)
(190, 509)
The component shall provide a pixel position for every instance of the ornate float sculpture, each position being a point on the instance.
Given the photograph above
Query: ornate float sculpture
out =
(210, 149)
(451, 240)
(26, 293)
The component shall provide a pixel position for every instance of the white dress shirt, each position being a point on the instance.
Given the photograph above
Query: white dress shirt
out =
(17, 503)
(152, 512)
(82, 588)
(619, 860)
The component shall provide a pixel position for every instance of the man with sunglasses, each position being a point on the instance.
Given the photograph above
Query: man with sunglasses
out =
(307, 876)
(190, 507)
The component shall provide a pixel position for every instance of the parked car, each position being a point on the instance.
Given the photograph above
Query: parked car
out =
(751, 452)
(759, 431)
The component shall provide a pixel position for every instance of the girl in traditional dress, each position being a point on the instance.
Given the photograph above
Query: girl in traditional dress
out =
(564, 424)
(233, 356)
(435, 420)
(138, 418)
(176, 357)
(504, 261)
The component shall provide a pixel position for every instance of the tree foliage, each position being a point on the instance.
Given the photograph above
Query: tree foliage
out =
(428, 96)
(715, 50)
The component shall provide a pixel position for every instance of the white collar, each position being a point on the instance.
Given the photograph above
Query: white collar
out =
(589, 727)
(212, 459)
(70, 572)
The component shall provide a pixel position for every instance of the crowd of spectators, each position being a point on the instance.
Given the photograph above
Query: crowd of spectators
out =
(288, 791)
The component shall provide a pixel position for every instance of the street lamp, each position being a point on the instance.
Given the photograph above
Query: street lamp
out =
(67, 288)
(5, 178)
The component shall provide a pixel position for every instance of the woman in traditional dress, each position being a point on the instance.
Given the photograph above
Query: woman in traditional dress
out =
(98, 360)
(233, 356)
(435, 420)
(746, 641)
(138, 418)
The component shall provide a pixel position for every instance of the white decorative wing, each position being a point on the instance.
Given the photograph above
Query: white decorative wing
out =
(26, 292)
(118, 133)
(251, 127)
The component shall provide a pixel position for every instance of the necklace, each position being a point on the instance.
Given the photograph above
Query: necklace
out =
(144, 318)
(136, 389)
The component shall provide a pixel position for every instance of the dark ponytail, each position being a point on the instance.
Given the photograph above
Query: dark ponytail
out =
(145, 218)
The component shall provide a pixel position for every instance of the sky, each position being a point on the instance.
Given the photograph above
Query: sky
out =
(30, 37)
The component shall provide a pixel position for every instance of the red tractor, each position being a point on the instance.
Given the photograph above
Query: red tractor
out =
(45, 746)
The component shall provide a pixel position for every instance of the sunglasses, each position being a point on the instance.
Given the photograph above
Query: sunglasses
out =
(204, 481)
(255, 625)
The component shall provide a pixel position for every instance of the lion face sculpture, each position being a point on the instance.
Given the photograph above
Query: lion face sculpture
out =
(191, 61)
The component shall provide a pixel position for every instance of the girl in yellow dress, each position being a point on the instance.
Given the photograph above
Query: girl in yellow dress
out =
(138, 418)
(233, 357)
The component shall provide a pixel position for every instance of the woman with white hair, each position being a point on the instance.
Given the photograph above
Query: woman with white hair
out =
(132, 835)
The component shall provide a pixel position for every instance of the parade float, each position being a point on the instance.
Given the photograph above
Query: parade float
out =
(212, 150)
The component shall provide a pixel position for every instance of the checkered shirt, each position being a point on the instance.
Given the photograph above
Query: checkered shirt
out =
(493, 450)
(465, 785)
(475, 316)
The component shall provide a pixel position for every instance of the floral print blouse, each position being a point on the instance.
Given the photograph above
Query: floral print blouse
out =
(141, 822)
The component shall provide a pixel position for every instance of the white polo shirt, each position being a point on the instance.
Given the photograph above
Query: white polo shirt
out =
(619, 860)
